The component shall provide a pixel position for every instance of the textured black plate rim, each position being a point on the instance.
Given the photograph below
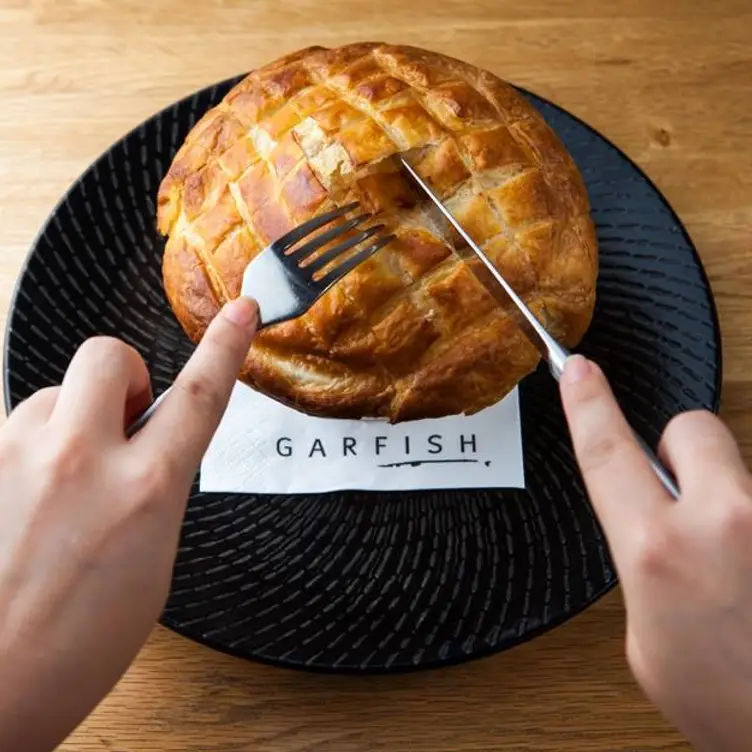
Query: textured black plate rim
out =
(435, 663)
(424, 665)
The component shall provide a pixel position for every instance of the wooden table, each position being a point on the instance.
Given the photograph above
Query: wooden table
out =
(671, 85)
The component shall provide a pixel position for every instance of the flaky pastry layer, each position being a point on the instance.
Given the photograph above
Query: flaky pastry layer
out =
(411, 333)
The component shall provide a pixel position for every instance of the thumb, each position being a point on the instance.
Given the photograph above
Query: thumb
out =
(184, 424)
(621, 484)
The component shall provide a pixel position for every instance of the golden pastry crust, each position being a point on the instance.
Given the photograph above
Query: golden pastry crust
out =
(411, 333)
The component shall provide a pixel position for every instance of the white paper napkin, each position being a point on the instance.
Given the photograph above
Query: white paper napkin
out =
(264, 447)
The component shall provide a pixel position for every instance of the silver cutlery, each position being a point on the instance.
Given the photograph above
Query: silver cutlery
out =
(286, 279)
(553, 353)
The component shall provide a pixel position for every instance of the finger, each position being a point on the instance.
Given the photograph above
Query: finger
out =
(104, 375)
(702, 451)
(618, 476)
(185, 422)
(37, 408)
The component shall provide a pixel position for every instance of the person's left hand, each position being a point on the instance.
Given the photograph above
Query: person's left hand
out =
(90, 521)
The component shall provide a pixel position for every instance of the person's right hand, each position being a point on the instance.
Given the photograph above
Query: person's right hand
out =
(685, 566)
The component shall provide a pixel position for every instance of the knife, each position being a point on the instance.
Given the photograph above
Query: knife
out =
(553, 353)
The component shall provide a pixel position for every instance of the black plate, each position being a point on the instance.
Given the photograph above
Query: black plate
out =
(378, 581)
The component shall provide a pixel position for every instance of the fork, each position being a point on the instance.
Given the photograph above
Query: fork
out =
(286, 280)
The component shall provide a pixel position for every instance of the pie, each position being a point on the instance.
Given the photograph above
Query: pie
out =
(410, 333)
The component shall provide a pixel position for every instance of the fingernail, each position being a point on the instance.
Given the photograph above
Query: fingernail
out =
(241, 311)
(576, 369)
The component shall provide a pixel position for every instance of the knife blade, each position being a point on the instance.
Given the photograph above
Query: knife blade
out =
(553, 353)
(492, 279)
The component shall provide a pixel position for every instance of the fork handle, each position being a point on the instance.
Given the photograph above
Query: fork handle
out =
(142, 419)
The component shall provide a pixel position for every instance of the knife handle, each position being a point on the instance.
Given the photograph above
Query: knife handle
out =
(556, 361)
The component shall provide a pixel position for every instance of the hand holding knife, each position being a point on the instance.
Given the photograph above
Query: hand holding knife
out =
(553, 353)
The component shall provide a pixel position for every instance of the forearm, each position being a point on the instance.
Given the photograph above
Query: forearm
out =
(50, 680)
(39, 705)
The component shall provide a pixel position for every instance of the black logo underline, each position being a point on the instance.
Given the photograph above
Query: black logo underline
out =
(417, 463)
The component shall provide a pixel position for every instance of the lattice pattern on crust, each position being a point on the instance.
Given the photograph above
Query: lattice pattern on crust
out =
(410, 333)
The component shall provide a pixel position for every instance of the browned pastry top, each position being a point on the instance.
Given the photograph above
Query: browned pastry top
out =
(411, 333)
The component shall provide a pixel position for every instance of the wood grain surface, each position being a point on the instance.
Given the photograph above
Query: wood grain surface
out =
(670, 83)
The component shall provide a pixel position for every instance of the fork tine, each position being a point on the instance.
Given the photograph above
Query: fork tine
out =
(328, 256)
(346, 267)
(300, 232)
(322, 239)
